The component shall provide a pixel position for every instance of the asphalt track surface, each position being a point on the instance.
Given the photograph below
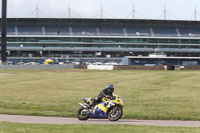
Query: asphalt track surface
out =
(64, 120)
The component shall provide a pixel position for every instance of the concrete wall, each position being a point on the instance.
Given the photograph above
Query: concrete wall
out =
(121, 67)
(189, 67)
(160, 67)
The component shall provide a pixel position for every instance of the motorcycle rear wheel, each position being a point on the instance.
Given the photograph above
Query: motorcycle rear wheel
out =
(82, 116)
(115, 114)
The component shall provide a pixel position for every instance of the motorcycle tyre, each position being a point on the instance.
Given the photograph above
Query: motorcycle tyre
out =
(82, 117)
(118, 116)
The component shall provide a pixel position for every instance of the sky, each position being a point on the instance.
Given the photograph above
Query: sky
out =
(122, 9)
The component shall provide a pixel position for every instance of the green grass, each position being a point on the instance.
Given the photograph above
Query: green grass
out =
(36, 128)
(147, 94)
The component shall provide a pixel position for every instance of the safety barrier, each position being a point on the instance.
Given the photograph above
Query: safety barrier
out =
(120, 67)
(100, 67)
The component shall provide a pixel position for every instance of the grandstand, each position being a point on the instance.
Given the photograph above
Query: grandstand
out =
(102, 40)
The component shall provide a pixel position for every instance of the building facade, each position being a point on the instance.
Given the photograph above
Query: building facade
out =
(104, 40)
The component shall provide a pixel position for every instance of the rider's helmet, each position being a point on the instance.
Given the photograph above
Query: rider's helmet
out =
(110, 88)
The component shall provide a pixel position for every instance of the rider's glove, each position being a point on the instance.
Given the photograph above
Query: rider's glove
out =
(110, 97)
(107, 96)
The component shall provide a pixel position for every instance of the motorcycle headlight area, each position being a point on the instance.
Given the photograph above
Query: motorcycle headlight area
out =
(121, 101)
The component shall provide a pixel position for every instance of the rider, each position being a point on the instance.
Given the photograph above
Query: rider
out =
(107, 92)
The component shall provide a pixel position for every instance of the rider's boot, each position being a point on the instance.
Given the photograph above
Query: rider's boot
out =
(94, 109)
(91, 105)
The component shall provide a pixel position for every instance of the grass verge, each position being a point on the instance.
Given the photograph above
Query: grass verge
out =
(38, 128)
(147, 94)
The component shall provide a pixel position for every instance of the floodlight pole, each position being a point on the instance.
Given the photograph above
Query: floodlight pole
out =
(69, 11)
(195, 13)
(165, 13)
(101, 11)
(133, 17)
(3, 31)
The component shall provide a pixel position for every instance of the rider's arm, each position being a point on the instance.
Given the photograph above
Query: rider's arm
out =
(106, 94)
(103, 93)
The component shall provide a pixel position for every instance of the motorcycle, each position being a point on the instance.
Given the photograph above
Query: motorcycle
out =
(109, 108)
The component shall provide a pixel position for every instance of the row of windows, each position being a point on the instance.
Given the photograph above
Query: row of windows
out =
(165, 61)
(100, 46)
(102, 40)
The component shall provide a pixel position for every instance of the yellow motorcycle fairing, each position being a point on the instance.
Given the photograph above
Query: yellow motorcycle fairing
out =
(87, 100)
(107, 103)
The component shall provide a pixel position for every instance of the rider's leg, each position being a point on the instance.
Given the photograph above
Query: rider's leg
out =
(95, 101)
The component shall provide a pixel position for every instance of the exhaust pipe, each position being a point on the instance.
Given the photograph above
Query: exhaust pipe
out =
(82, 105)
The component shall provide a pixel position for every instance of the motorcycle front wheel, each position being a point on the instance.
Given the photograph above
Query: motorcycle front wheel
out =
(115, 114)
(82, 114)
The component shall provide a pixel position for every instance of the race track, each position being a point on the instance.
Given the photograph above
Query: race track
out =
(63, 120)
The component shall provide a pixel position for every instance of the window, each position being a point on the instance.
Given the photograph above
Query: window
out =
(189, 63)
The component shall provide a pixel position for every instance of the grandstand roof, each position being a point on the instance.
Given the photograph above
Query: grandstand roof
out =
(103, 27)
(128, 21)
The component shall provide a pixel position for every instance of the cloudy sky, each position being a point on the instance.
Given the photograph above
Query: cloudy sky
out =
(144, 9)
